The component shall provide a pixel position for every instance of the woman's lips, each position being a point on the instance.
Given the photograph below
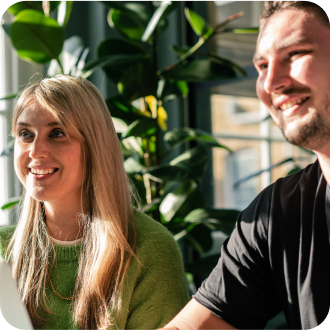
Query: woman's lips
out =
(40, 177)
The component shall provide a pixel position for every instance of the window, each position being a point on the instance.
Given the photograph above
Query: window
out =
(15, 74)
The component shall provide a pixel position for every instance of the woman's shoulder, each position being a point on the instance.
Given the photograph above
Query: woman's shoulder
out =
(148, 228)
(153, 236)
(5, 235)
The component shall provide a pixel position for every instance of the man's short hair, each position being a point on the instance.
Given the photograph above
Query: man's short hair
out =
(271, 7)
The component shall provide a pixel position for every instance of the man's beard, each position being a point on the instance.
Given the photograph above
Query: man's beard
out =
(311, 135)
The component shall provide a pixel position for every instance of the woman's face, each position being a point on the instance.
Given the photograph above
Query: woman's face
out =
(49, 165)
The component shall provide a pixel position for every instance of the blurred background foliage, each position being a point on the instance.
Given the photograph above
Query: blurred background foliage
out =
(168, 186)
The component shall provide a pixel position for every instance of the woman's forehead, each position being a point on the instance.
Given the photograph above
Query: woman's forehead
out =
(34, 114)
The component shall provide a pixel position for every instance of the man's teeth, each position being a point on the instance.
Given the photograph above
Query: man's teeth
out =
(45, 171)
(290, 104)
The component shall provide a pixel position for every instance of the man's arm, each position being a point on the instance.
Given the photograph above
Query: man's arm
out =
(196, 316)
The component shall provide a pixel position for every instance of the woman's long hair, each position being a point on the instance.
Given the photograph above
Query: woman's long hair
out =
(109, 232)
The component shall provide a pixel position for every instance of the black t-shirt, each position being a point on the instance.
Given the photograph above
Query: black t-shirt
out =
(277, 258)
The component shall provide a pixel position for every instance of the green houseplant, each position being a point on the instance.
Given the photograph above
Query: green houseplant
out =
(170, 192)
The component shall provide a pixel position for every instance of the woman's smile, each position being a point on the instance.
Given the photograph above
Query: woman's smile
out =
(43, 173)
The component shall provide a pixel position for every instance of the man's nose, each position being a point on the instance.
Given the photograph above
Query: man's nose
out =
(39, 148)
(278, 77)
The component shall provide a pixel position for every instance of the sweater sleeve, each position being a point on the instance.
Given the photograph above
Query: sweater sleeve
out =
(160, 291)
(5, 235)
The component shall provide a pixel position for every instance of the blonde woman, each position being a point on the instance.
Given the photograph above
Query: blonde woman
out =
(82, 256)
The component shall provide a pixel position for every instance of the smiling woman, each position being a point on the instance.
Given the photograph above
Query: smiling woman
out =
(81, 254)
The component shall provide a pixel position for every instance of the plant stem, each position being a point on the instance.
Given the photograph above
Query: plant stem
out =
(202, 40)
(60, 64)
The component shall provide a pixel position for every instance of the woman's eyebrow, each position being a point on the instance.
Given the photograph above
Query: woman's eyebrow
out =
(51, 124)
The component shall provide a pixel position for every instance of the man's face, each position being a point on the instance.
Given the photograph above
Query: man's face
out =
(293, 62)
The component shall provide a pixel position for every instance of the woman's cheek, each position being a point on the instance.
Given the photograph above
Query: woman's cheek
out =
(19, 164)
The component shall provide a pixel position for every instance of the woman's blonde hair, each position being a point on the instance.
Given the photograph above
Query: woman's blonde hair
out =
(109, 232)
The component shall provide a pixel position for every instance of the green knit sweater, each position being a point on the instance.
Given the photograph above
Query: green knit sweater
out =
(153, 294)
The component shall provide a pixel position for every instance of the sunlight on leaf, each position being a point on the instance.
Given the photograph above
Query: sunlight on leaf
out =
(162, 118)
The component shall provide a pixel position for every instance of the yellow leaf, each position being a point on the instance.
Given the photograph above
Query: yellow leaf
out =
(162, 118)
(152, 102)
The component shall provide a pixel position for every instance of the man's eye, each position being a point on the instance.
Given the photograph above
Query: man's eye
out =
(263, 66)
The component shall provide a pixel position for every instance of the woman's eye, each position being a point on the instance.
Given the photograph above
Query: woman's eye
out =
(24, 134)
(57, 134)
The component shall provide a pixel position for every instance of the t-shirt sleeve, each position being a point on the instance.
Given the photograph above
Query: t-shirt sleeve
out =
(161, 289)
(241, 289)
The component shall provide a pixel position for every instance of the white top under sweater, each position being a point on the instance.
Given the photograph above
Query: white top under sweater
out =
(66, 243)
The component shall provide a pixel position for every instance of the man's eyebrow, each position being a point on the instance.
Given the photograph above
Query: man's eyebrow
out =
(284, 45)
(51, 124)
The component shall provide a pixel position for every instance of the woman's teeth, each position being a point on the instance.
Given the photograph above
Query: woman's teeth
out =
(43, 171)
(290, 104)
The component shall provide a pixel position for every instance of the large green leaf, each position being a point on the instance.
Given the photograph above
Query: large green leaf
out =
(138, 189)
(132, 166)
(194, 160)
(111, 61)
(139, 80)
(131, 147)
(120, 5)
(198, 24)
(168, 172)
(227, 62)
(36, 37)
(199, 70)
(12, 202)
(142, 128)
(174, 200)
(64, 12)
(173, 5)
(120, 125)
(6, 28)
(121, 48)
(179, 136)
(17, 7)
(199, 237)
(158, 14)
(243, 30)
(127, 23)
(219, 219)
(171, 89)
(121, 109)
(73, 48)
(180, 51)
(202, 267)
(8, 97)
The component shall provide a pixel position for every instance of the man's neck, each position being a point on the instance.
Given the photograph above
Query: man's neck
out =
(324, 159)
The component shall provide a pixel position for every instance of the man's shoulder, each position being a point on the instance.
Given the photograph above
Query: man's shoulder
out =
(285, 196)
(304, 181)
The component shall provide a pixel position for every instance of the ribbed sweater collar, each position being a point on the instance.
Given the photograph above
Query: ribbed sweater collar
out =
(67, 253)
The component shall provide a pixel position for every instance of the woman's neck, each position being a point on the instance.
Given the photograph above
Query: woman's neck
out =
(63, 223)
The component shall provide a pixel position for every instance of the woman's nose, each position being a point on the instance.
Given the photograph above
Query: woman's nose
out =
(39, 148)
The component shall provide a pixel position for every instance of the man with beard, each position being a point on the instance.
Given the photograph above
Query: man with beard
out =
(277, 257)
